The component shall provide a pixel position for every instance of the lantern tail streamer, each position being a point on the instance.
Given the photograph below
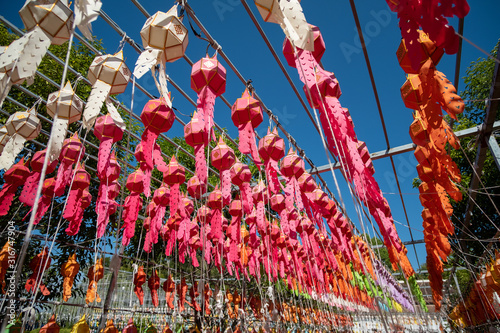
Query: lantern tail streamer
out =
(98, 96)
(113, 112)
(85, 199)
(28, 193)
(147, 59)
(226, 187)
(63, 177)
(32, 54)
(6, 196)
(162, 81)
(205, 106)
(59, 129)
(131, 208)
(272, 172)
(86, 12)
(201, 163)
(12, 148)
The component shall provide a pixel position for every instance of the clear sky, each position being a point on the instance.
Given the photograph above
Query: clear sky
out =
(228, 22)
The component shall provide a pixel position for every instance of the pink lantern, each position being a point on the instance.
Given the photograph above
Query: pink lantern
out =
(78, 199)
(157, 118)
(234, 234)
(28, 193)
(72, 152)
(259, 194)
(108, 133)
(292, 167)
(246, 114)
(185, 226)
(108, 191)
(223, 159)
(161, 199)
(14, 177)
(215, 202)
(132, 205)
(208, 79)
(271, 150)
(278, 205)
(195, 187)
(241, 176)
(48, 193)
(174, 176)
(203, 216)
(198, 137)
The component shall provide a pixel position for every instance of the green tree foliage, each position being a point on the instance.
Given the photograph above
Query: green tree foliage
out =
(485, 219)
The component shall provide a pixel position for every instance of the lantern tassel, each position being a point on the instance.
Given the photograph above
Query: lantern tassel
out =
(200, 163)
(131, 209)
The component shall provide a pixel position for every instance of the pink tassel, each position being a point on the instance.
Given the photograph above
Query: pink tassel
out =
(6, 196)
(226, 187)
(175, 198)
(201, 163)
(147, 182)
(272, 176)
(102, 209)
(158, 160)
(246, 197)
(103, 157)
(28, 193)
(63, 177)
(131, 208)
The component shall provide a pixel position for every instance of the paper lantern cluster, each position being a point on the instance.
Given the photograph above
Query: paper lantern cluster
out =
(322, 91)
(427, 91)
(305, 241)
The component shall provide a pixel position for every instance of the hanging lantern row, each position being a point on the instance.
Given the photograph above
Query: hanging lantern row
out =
(303, 50)
(427, 91)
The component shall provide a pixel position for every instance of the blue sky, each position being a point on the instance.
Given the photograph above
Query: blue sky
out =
(228, 22)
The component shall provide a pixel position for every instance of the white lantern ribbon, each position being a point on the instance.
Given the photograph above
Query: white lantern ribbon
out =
(86, 12)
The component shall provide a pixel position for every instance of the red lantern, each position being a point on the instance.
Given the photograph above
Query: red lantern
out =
(208, 79)
(157, 118)
(28, 193)
(246, 114)
(14, 177)
(78, 199)
(271, 150)
(154, 285)
(197, 137)
(132, 205)
(223, 159)
(108, 191)
(292, 167)
(38, 265)
(215, 202)
(48, 193)
(108, 133)
(195, 187)
(71, 153)
(241, 176)
(259, 194)
(174, 176)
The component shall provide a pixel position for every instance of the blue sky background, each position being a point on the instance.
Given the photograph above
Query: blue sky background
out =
(228, 22)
